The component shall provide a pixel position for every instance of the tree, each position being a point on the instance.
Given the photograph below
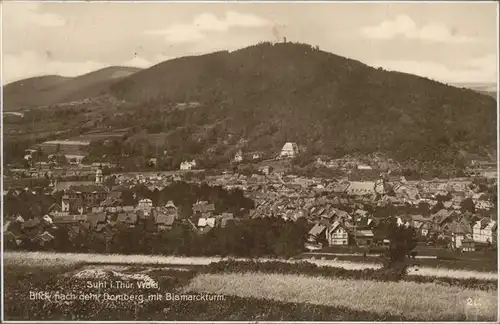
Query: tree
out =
(402, 241)
(468, 205)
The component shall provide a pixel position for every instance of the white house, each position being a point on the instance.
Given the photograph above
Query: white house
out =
(360, 188)
(337, 234)
(209, 221)
(65, 204)
(484, 230)
(289, 150)
(145, 205)
(188, 165)
(98, 176)
(238, 157)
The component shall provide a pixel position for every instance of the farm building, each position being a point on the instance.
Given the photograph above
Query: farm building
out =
(188, 165)
(289, 150)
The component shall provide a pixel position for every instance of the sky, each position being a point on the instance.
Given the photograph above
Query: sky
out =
(448, 42)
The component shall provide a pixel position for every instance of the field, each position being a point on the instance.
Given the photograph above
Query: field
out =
(230, 289)
(423, 301)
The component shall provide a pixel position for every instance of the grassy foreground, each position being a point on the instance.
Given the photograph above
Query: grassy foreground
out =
(425, 301)
(250, 290)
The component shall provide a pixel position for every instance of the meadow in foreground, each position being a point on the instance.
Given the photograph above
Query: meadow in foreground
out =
(253, 290)
(425, 301)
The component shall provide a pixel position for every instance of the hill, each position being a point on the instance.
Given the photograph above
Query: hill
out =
(261, 96)
(51, 90)
(271, 93)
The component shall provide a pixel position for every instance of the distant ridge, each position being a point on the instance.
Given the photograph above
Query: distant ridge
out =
(489, 89)
(54, 89)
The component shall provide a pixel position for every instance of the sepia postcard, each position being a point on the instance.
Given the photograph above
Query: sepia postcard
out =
(249, 161)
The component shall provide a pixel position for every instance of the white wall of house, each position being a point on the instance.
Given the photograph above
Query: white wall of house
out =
(65, 205)
(482, 235)
(338, 236)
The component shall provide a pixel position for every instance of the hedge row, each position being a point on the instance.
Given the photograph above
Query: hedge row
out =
(304, 267)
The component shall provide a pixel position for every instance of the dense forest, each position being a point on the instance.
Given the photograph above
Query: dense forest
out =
(259, 97)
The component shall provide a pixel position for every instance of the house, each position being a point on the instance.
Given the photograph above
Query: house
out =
(171, 209)
(114, 199)
(69, 219)
(337, 234)
(265, 169)
(42, 238)
(484, 230)
(205, 230)
(86, 195)
(361, 188)
(153, 162)
(424, 229)
(98, 176)
(289, 150)
(443, 217)
(364, 222)
(364, 237)
(96, 220)
(164, 221)
(145, 205)
(188, 165)
(238, 157)
(225, 218)
(468, 245)
(458, 233)
(127, 218)
(202, 222)
(203, 209)
(315, 232)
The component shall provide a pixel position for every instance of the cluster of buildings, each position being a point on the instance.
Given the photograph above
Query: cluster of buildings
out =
(341, 212)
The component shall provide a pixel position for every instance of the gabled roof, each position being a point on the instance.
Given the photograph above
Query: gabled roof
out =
(128, 218)
(164, 219)
(88, 189)
(317, 229)
(419, 218)
(336, 225)
(203, 208)
(202, 222)
(96, 218)
(364, 233)
(170, 204)
(361, 187)
(290, 146)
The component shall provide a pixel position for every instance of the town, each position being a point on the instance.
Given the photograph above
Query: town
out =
(456, 214)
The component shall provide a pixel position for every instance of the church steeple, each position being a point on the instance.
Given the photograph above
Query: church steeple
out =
(98, 176)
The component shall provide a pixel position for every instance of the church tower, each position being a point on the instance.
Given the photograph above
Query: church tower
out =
(98, 176)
